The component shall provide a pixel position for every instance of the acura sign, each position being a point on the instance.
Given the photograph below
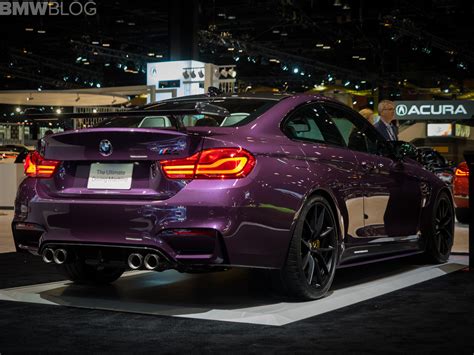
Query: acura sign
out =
(428, 110)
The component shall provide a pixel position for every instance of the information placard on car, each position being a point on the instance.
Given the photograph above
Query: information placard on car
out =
(110, 176)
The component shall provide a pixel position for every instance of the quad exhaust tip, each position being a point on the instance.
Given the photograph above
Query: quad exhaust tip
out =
(135, 261)
(152, 261)
(48, 255)
(60, 256)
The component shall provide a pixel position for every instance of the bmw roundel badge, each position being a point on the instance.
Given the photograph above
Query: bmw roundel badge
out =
(105, 147)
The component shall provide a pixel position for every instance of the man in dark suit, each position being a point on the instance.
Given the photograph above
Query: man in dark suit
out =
(385, 125)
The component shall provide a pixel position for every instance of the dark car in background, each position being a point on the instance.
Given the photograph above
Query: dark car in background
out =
(295, 184)
(433, 161)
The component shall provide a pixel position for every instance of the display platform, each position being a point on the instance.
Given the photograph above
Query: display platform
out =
(229, 296)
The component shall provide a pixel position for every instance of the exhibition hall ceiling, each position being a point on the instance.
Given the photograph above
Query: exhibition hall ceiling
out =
(422, 47)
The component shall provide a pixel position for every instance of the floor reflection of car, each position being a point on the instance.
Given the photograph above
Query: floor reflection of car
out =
(297, 185)
(461, 192)
(437, 164)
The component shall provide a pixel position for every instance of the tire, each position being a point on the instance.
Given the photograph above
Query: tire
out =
(310, 266)
(80, 273)
(462, 215)
(439, 235)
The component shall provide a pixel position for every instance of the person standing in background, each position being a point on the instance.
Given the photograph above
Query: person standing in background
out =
(386, 125)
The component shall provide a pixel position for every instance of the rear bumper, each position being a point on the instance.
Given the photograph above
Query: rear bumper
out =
(236, 232)
(461, 201)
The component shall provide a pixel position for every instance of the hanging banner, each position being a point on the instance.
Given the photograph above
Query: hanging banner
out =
(433, 110)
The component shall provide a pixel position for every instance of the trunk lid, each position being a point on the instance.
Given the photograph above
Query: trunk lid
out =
(127, 158)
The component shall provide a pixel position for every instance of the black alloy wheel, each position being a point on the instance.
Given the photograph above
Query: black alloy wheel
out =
(442, 235)
(313, 254)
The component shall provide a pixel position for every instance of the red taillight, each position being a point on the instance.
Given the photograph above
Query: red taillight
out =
(462, 169)
(36, 166)
(222, 163)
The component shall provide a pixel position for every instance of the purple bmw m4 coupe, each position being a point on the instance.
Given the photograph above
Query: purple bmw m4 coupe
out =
(296, 184)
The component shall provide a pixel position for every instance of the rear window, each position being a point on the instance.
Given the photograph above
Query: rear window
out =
(241, 111)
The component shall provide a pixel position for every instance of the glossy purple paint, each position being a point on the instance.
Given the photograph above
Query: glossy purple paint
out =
(253, 217)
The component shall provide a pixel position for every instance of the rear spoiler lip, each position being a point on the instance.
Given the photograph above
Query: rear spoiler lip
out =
(59, 116)
(119, 129)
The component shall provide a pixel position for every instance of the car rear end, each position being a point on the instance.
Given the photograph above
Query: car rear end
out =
(110, 193)
(461, 192)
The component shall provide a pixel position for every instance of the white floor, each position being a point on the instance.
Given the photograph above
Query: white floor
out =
(228, 296)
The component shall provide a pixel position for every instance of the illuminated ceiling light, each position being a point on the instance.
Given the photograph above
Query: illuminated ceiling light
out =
(107, 65)
(240, 50)
(231, 49)
(319, 45)
(18, 109)
(355, 57)
(84, 59)
(347, 83)
(159, 56)
(231, 17)
(131, 24)
(98, 85)
(105, 44)
(119, 21)
(276, 31)
(29, 29)
(151, 54)
(221, 14)
(30, 97)
(41, 31)
(337, 3)
(362, 58)
(94, 110)
(284, 34)
(357, 87)
(130, 68)
(95, 53)
(95, 42)
(363, 81)
(185, 74)
(346, 7)
(354, 102)
(224, 73)
(86, 63)
(327, 47)
(295, 70)
(59, 111)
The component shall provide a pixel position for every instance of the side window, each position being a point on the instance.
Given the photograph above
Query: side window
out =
(308, 123)
(356, 132)
(155, 122)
